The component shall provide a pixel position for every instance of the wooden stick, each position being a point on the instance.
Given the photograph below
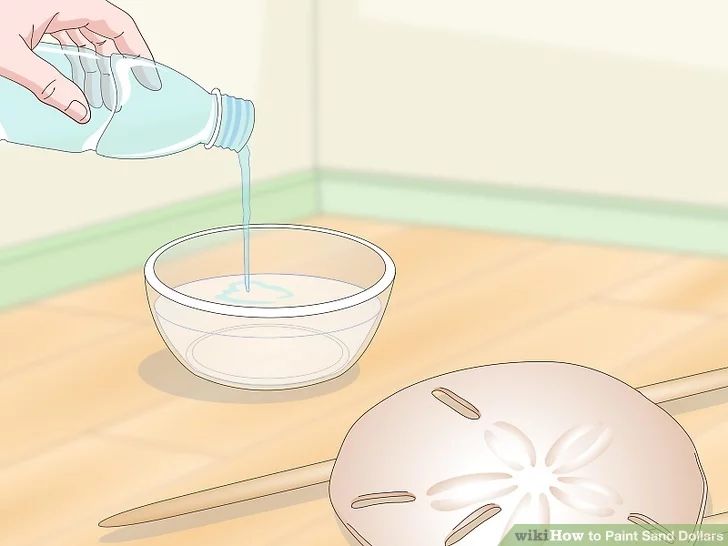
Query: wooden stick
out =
(683, 387)
(716, 519)
(254, 488)
(318, 473)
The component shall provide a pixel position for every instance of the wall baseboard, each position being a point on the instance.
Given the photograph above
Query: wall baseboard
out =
(50, 265)
(673, 227)
(87, 255)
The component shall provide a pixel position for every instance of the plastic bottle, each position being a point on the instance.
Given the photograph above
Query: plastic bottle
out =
(164, 114)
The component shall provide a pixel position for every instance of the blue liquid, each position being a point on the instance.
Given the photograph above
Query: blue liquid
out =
(244, 160)
(264, 293)
(268, 293)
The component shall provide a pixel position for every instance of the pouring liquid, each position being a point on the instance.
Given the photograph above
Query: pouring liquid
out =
(244, 160)
(246, 291)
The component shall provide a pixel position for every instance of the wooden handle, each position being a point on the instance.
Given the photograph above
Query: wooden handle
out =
(690, 385)
(305, 476)
(255, 488)
(716, 519)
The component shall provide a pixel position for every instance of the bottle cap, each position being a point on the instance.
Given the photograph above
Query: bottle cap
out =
(235, 120)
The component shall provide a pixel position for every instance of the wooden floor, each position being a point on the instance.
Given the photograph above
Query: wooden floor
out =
(97, 416)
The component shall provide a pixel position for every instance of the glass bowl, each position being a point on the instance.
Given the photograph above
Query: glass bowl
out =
(309, 308)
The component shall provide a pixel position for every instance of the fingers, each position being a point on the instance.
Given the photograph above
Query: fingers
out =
(77, 72)
(105, 48)
(148, 76)
(42, 79)
(107, 20)
(114, 23)
(92, 82)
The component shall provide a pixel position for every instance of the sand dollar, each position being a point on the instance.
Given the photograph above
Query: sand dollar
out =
(462, 457)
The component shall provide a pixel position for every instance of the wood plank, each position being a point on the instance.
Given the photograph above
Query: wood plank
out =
(122, 296)
(698, 284)
(612, 337)
(428, 262)
(75, 485)
(55, 401)
(699, 349)
(36, 333)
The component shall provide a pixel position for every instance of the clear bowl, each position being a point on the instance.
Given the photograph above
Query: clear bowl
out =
(316, 299)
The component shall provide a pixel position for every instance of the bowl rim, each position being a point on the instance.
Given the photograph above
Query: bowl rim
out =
(384, 282)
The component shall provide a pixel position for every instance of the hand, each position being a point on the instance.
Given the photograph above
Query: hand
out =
(93, 24)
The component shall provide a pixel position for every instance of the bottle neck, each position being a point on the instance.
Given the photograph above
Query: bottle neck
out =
(234, 125)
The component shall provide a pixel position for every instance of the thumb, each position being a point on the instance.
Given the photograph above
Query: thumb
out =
(21, 65)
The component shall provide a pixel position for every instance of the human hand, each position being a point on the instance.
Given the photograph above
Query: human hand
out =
(92, 24)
